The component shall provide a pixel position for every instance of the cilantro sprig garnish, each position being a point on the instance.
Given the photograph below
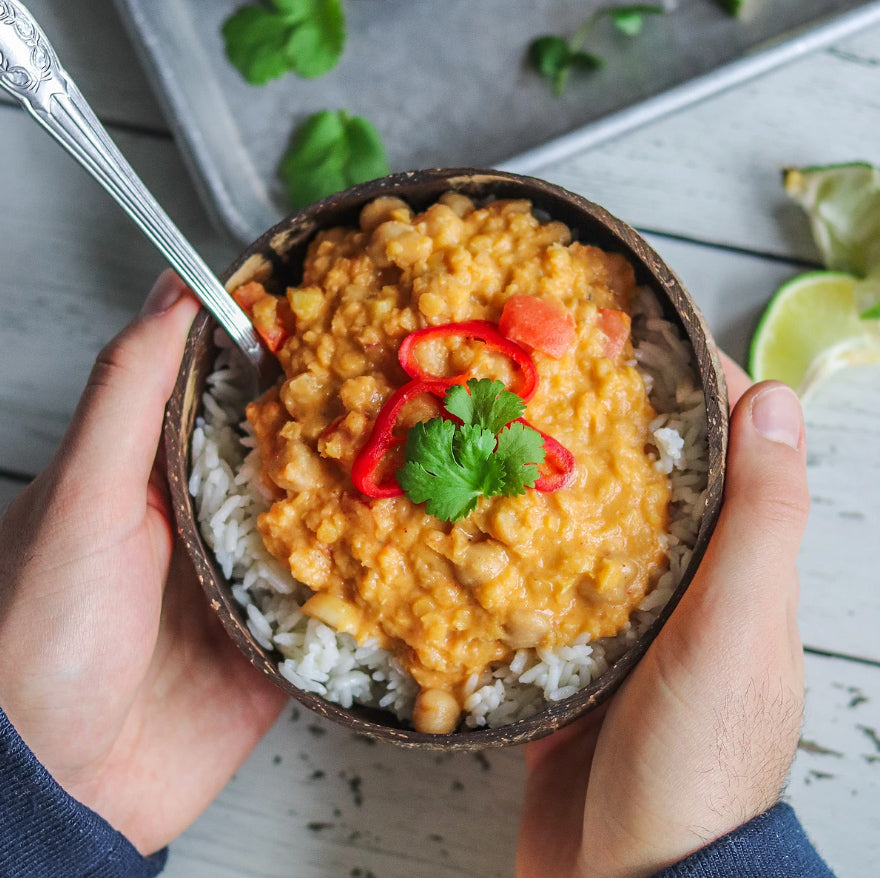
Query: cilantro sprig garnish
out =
(449, 466)
(266, 40)
(556, 57)
(331, 151)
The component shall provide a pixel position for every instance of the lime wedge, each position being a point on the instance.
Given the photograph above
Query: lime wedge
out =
(843, 204)
(811, 328)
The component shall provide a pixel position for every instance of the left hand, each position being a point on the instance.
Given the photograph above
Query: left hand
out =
(112, 668)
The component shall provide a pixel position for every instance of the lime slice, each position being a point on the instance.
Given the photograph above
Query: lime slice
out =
(811, 328)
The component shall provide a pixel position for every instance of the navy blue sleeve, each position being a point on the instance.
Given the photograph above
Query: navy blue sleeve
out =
(45, 833)
(772, 845)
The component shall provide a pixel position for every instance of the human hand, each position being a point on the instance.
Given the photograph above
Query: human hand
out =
(700, 737)
(112, 668)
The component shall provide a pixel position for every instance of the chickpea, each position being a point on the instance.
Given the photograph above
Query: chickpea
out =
(461, 205)
(333, 611)
(380, 210)
(482, 562)
(526, 628)
(383, 236)
(444, 225)
(436, 712)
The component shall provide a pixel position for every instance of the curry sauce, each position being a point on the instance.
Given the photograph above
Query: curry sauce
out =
(536, 570)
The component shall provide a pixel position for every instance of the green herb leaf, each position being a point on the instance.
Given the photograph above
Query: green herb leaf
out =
(303, 36)
(551, 57)
(449, 466)
(485, 403)
(731, 6)
(555, 58)
(522, 450)
(330, 152)
(450, 485)
(630, 19)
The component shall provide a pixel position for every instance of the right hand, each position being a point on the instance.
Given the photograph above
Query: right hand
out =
(700, 736)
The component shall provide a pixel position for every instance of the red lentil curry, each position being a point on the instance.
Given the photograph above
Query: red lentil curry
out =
(450, 598)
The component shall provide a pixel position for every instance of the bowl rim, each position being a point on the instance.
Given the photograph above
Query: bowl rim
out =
(268, 254)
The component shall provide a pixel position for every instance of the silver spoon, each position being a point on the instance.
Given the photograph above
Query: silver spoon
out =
(31, 73)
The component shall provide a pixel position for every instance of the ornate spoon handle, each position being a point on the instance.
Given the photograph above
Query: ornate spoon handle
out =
(31, 73)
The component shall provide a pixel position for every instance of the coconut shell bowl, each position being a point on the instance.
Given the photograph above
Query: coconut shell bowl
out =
(276, 259)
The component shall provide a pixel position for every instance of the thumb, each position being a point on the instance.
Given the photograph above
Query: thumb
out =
(115, 431)
(753, 553)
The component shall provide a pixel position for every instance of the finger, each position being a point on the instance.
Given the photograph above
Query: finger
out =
(738, 382)
(115, 430)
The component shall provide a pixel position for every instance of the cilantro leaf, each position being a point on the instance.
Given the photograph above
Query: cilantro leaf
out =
(485, 403)
(449, 484)
(630, 19)
(731, 6)
(450, 466)
(522, 450)
(330, 152)
(303, 36)
(555, 57)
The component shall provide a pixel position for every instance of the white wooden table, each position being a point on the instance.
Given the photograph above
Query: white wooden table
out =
(313, 801)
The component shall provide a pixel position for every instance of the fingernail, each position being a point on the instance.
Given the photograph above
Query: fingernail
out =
(166, 291)
(776, 414)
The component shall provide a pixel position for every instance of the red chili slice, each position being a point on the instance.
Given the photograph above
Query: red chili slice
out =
(558, 459)
(382, 438)
(478, 330)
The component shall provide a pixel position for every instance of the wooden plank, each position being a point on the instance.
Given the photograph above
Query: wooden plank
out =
(835, 780)
(712, 172)
(75, 270)
(315, 800)
(92, 45)
(731, 288)
(840, 558)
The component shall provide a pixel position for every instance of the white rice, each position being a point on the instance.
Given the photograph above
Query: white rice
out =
(225, 482)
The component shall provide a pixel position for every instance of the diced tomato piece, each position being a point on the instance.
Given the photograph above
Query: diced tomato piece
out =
(271, 315)
(616, 326)
(248, 294)
(542, 325)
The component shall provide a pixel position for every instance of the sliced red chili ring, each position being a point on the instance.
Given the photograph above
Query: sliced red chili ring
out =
(479, 330)
(382, 438)
(558, 459)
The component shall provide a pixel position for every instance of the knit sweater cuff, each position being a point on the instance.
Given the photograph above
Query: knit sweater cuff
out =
(46, 833)
(772, 845)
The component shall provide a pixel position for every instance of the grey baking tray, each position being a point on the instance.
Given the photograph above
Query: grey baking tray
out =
(445, 82)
